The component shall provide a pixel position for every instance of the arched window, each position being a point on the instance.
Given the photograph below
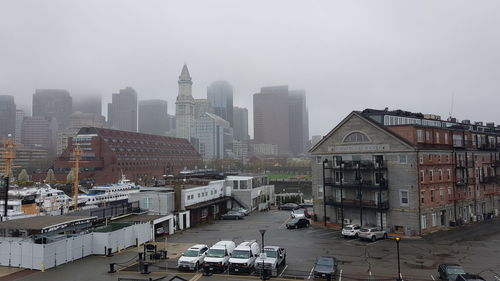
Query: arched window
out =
(356, 137)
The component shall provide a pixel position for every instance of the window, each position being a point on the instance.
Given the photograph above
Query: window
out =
(440, 175)
(427, 136)
(356, 137)
(430, 157)
(420, 136)
(146, 202)
(432, 195)
(422, 176)
(320, 191)
(423, 221)
(204, 213)
(243, 184)
(449, 192)
(448, 174)
(338, 176)
(421, 159)
(434, 219)
(431, 175)
(422, 197)
(402, 159)
(235, 184)
(318, 160)
(441, 194)
(446, 138)
(379, 178)
(403, 196)
(437, 137)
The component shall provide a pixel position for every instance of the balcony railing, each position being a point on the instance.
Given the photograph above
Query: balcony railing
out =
(362, 165)
(487, 146)
(464, 181)
(491, 179)
(464, 164)
(369, 204)
(363, 185)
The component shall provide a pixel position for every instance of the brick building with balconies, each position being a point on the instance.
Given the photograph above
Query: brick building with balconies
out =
(109, 153)
(408, 172)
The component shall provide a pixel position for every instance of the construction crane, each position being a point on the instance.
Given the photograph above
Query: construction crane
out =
(77, 154)
(9, 155)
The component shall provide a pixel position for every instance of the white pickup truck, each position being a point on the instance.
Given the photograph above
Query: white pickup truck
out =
(273, 258)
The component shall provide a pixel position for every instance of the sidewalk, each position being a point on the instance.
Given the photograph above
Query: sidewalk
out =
(336, 226)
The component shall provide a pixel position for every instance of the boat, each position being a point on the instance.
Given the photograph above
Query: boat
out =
(109, 194)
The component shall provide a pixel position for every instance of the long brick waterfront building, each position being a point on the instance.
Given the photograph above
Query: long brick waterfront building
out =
(109, 153)
(409, 172)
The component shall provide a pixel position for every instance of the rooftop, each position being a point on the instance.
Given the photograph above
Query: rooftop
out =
(44, 223)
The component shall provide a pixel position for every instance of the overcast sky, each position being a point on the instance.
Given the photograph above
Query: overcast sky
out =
(347, 55)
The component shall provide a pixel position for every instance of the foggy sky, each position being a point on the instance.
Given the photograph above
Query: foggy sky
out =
(347, 55)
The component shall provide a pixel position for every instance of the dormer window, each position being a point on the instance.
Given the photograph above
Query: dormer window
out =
(356, 137)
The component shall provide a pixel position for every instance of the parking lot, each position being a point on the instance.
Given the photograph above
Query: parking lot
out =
(476, 247)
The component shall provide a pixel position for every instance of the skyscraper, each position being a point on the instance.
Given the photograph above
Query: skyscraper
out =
(201, 106)
(77, 121)
(220, 97)
(122, 111)
(214, 136)
(53, 103)
(184, 106)
(7, 116)
(40, 132)
(19, 125)
(298, 121)
(153, 117)
(240, 123)
(271, 117)
(91, 103)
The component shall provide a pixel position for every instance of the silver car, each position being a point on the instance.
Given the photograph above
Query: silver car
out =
(351, 230)
(372, 234)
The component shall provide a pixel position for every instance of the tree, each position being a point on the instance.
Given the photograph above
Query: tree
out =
(11, 175)
(51, 178)
(23, 176)
(69, 177)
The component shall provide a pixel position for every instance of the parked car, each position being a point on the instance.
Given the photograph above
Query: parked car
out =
(217, 257)
(289, 207)
(243, 258)
(299, 213)
(309, 212)
(297, 223)
(469, 277)
(325, 267)
(450, 271)
(351, 230)
(241, 210)
(372, 234)
(192, 258)
(233, 215)
(273, 258)
(306, 205)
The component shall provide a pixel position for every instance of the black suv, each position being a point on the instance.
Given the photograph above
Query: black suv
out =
(325, 267)
(298, 223)
(450, 271)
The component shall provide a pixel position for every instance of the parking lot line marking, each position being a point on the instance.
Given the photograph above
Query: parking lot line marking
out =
(340, 276)
(433, 277)
(498, 278)
(196, 277)
(283, 271)
(283, 224)
(310, 273)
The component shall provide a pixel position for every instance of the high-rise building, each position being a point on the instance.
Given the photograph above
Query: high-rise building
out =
(220, 97)
(91, 103)
(201, 106)
(240, 123)
(153, 117)
(40, 132)
(53, 103)
(271, 117)
(171, 125)
(7, 116)
(122, 111)
(214, 135)
(77, 121)
(19, 125)
(298, 122)
(184, 106)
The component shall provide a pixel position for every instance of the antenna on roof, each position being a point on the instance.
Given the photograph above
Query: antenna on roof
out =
(452, 103)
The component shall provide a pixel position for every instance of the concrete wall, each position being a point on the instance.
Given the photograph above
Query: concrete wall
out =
(161, 203)
(195, 195)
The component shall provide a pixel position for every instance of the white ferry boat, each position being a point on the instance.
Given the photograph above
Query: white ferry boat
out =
(108, 194)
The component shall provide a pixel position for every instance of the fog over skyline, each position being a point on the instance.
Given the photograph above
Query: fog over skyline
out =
(349, 55)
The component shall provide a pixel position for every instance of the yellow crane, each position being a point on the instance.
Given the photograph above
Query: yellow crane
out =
(9, 155)
(77, 154)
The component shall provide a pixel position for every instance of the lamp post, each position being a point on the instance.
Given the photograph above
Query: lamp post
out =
(262, 232)
(399, 267)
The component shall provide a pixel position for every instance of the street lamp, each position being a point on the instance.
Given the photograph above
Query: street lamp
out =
(325, 165)
(262, 232)
(399, 267)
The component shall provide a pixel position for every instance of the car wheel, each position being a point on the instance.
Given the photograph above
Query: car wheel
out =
(356, 236)
(385, 235)
(374, 238)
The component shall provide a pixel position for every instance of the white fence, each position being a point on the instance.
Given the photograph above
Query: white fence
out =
(26, 254)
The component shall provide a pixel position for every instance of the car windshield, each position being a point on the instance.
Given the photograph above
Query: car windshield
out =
(241, 254)
(232, 213)
(190, 253)
(364, 230)
(215, 253)
(325, 262)
(348, 228)
(270, 253)
(299, 211)
(455, 270)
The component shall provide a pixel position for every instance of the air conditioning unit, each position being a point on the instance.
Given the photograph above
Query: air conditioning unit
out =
(347, 221)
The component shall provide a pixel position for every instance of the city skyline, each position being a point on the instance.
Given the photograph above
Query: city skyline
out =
(345, 55)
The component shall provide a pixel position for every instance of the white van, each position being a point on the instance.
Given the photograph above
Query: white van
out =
(217, 257)
(243, 258)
